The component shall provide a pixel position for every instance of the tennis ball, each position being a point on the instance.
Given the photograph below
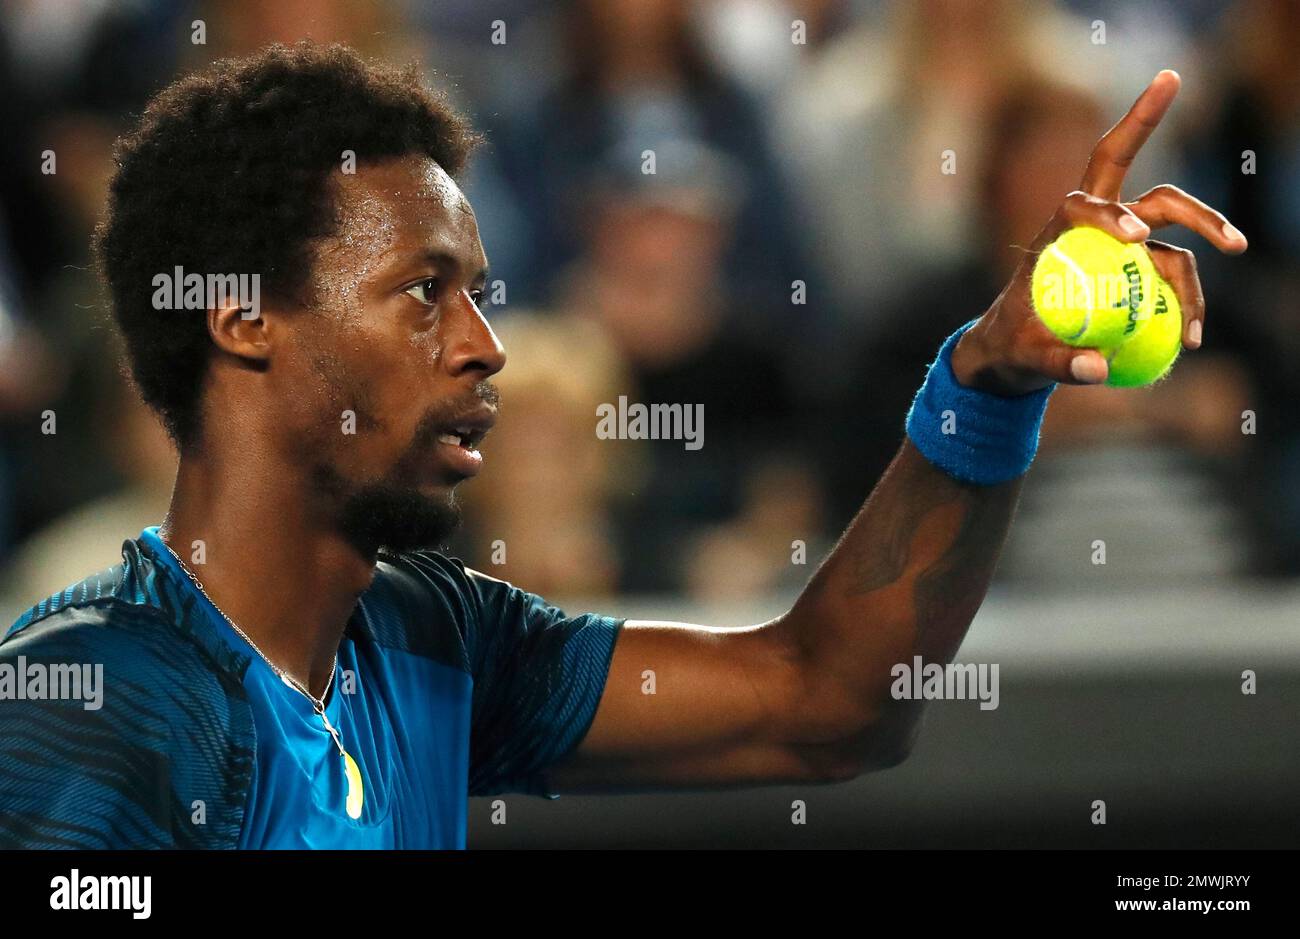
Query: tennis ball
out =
(1150, 354)
(1093, 290)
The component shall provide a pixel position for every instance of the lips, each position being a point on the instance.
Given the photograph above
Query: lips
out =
(458, 440)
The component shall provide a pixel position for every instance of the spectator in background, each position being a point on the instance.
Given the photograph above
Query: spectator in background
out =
(542, 514)
(65, 467)
(1246, 157)
(772, 544)
(651, 275)
(757, 43)
(239, 27)
(866, 130)
(637, 71)
(885, 128)
(137, 473)
(68, 72)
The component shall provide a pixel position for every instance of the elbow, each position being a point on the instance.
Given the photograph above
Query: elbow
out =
(876, 744)
(846, 723)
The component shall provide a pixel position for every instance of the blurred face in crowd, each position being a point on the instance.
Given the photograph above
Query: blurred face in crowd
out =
(385, 379)
(660, 268)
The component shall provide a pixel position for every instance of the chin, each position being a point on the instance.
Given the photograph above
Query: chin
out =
(401, 519)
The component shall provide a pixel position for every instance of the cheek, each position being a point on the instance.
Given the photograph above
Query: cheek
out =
(425, 348)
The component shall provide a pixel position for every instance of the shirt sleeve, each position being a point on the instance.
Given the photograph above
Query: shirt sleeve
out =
(538, 678)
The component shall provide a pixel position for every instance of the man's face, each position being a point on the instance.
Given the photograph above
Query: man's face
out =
(384, 376)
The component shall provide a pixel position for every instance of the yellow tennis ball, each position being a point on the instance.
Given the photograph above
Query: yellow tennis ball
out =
(1093, 290)
(1150, 354)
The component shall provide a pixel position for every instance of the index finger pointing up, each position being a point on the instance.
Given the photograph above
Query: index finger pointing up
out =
(1115, 151)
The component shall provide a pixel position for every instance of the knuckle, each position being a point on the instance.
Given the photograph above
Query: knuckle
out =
(1160, 194)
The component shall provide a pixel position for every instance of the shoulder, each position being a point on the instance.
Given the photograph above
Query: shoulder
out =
(115, 725)
(132, 641)
(423, 600)
(424, 603)
(127, 616)
(430, 581)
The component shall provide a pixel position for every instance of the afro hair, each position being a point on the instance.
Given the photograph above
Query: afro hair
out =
(227, 172)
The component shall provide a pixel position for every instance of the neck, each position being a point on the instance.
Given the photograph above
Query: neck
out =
(269, 559)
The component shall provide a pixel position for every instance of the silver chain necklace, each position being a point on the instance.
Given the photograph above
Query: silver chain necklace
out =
(353, 772)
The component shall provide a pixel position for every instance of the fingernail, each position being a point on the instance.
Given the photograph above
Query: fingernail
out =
(1132, 226)
(1087, 369)
(1232, 233)
(1194, 332)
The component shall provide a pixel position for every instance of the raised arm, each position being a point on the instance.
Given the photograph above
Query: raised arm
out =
(806, 697)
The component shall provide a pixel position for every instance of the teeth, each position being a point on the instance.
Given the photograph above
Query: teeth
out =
(453, 439)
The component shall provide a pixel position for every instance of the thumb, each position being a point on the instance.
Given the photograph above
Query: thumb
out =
(1069, 365)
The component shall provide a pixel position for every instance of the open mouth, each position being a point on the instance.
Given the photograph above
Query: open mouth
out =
(459, 440)
(466, 437)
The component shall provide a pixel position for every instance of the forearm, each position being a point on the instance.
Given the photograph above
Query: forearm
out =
(905, 580)
(908, 575)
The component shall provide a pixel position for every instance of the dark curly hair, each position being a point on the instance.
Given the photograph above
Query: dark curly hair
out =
(227, 173)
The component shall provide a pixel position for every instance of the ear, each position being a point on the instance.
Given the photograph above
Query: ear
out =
(242, 332)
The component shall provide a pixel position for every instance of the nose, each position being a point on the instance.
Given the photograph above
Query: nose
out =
(470, 343)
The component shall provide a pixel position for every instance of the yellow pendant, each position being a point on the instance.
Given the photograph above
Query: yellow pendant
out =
(356, 793)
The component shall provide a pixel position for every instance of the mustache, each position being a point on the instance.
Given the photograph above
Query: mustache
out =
(435, 420)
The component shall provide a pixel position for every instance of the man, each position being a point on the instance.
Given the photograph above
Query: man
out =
(283, 663)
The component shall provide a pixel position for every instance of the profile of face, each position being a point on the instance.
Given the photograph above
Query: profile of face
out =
(383, 377)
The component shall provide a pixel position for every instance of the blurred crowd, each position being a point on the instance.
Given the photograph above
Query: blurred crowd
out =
(836, 186)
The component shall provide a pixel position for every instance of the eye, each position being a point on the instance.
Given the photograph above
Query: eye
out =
(477, 297)
(426, 291)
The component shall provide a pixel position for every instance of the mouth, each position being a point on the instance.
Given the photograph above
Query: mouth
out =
(459, 439)
(466, 437)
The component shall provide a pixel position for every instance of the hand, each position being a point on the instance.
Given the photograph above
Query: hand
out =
(1009, 351)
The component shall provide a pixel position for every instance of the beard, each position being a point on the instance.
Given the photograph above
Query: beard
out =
(393, 512)
(389, 511)
(397, 518)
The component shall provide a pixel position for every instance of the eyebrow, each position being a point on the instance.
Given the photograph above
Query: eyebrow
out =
(444, 258)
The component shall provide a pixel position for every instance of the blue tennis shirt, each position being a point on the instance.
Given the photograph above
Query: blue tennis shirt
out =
(449, 683)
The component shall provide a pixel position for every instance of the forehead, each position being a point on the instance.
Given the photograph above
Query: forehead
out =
(405, 203)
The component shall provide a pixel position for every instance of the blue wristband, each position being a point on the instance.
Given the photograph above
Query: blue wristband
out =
(972, 435)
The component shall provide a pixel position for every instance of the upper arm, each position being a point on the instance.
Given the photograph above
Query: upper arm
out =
(590, 703)
(537, 674)
(694, 707)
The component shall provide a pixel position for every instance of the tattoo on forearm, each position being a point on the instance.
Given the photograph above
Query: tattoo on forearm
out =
(942, 535)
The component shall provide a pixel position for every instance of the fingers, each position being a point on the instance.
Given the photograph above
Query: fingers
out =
(1114, 218)
(1133, 222)
(1178, 266)
(1169, 205)
(1115, 152)
(1079, 208)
